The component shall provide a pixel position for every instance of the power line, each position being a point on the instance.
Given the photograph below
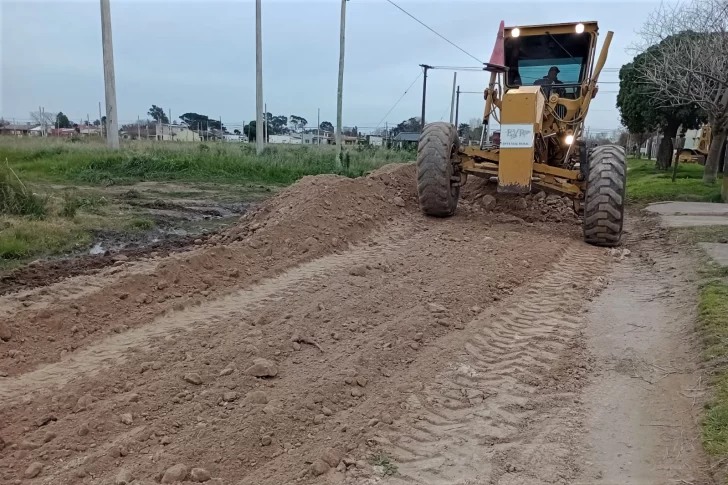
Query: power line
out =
(436, 33)
(400, 99)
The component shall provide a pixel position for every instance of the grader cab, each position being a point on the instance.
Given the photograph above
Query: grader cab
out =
(542, 80)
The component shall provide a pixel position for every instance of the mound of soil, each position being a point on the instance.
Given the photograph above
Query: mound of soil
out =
(316, 216)
(537, 206)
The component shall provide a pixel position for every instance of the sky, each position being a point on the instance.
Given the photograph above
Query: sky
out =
(199, 56)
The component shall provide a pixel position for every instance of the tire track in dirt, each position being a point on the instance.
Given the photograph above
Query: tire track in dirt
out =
(112, 351)
(471, 424)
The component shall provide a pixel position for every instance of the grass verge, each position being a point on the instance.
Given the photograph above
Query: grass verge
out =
(93, 163)
(647, 184)
(713, 325)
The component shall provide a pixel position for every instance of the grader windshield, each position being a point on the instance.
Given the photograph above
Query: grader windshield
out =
(558, 62)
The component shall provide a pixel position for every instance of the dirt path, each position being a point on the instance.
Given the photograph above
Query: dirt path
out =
(644, 401)
(338, 336)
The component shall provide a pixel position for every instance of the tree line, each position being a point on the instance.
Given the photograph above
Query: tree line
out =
(679, 79)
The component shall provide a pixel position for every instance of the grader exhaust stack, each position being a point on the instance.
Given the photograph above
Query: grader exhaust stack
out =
(542, 81)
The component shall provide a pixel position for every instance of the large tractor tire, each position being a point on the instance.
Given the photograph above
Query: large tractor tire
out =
(437, 188)
(604, 201)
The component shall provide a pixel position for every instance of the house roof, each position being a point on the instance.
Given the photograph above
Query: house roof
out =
(407, 136)
(18, 126)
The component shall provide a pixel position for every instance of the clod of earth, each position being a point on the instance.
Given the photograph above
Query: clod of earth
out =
(331, 457)
(125, 477)
(398, 201)
(266, 441)
(83, 403)
(200, 475)
(488, 202)
(193, 378)
(33, 470)
(319, 467)
(257, 397)
(226, 372)
(262, 368)
(358, 270)
(176, 473)
(5, 332)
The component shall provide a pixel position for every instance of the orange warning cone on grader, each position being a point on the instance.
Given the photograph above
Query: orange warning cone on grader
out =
(542, 80)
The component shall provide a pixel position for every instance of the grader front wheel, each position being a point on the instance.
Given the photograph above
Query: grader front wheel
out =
(437, 188)
(604, 200)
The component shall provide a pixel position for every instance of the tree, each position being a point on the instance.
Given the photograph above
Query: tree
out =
(686, 48)
(350, 131)
(326, 126)
(277, 125)
(236, 131)
(249, 130)
(299, 123)
(200, 122)
(464, 130)
(412, 125)
(641, 114)
(158, 114)
(62, 120)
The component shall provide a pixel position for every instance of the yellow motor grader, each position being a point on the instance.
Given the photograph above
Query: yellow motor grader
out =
(542, 80)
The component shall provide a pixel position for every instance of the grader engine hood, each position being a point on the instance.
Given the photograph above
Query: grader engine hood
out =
(521, 118)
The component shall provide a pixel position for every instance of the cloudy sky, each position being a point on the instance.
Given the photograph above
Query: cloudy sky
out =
(199, 56)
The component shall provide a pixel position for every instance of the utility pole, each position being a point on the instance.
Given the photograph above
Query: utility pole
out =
(424, 92)
(258, 79)
(101, 121)
(221, 135)
(457, 107)
(340, 90)
(318, 127)
(112, 133)
(265, 122)
(452, 101)
(139, 128)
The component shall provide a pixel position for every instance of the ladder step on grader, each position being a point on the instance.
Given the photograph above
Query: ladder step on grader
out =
(542, 80)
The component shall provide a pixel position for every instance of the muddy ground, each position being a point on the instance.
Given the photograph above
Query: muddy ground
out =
(336, 335)
(179, 216)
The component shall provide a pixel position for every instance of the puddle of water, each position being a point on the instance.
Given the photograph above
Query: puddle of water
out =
(97, 249)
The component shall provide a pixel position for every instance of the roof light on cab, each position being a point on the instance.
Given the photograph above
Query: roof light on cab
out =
(515, 32)
(579, 28)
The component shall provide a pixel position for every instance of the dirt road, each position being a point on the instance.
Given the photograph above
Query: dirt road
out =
(338, 336)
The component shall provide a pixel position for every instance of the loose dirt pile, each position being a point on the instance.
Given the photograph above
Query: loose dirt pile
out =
(535, 207)
(289, 349)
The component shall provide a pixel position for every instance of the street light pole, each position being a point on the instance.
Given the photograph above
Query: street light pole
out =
(259, 136)
(340, 90)
(112, 121)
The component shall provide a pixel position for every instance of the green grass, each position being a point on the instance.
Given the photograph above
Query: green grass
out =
(383, 461)
(647, 184)
(24, 239)
(93, 163)
(16, 198)
(140, 224)
(698, 234)
(713, 324)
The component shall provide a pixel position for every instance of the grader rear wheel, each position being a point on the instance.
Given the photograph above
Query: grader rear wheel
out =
(604, 201)
(437, 187)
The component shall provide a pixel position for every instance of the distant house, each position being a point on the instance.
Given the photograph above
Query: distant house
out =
(89, 130)
(233, 138)
(349, 140)
(162, 132)
(292, 139)
(62, 132)
(322, 138)
(17, 129)
(375, 140)
(406, 139)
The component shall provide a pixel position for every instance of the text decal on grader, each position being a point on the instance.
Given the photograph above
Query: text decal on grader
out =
(542, 81)
(516, 135)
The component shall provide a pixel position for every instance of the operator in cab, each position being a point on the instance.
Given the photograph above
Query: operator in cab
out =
(550, 79)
